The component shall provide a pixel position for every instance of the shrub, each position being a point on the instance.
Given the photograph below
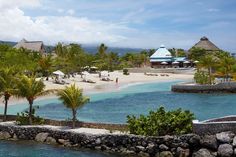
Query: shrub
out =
(201, 77)
(161, 122)
(23, 118)
(125, 71)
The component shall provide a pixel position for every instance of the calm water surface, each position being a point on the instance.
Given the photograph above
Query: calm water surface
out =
(28, 149)
(113, 107)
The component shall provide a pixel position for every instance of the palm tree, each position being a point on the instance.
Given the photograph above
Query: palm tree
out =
(226, 66)
(45, 64)
(208, 62)
(7, 87)
(72, 97)
(30, 88)
(102, 51)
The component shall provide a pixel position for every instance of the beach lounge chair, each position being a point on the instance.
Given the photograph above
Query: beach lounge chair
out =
(62, 82)
(88, 81)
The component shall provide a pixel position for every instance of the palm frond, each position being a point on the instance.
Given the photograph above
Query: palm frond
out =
(72, 97)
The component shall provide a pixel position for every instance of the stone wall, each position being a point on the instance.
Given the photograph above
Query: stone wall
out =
(162, 70)
(108, 126)
(227, 87)
(214, 126)
(221, 145)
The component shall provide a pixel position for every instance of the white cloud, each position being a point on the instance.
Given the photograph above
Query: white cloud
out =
(60, 10)
(52, 29)
(118, 28)
(6, 4)
(71, 12)
(213, 10)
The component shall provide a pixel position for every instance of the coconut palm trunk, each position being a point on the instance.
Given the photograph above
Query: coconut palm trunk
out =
(6, 99)
(209, 72)
(74, 118)
(30, 112)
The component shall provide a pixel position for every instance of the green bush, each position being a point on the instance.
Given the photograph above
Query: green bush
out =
(23, 118)
(161, 122)
(201, 77)
(125, 71)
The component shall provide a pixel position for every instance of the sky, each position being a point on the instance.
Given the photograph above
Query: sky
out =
(121, 23)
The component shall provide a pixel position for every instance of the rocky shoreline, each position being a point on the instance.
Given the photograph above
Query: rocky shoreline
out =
(226, 87)
(219, 145)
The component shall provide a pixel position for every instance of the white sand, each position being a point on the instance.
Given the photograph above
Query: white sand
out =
(122, 80)
(104, 86)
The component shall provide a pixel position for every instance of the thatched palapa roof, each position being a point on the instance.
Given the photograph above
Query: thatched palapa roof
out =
(31, 45)
(206, 44)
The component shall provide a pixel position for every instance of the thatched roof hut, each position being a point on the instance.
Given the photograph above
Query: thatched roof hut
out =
(206, 44)
(37, 46)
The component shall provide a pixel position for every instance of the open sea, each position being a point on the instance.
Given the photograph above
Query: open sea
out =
(113, 107)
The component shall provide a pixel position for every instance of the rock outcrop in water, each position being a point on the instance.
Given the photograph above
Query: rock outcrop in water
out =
(220, 145)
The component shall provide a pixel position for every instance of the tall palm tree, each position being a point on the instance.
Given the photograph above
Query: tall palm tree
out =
(7, 87)
(30, 88)
(208, 62)
(72, 97)
(102, 50)
(45, 64)
(226, 66)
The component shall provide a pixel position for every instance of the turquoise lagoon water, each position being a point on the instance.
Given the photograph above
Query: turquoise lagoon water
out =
(113, 107)
(30, 149)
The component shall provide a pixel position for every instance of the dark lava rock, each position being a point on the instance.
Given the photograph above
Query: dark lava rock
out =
(209, 141)
(203, 153)
(225, 150)
(225, 137)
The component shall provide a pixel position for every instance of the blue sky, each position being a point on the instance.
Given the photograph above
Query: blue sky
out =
(122, 23)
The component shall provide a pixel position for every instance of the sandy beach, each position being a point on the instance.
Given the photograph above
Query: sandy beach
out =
(106, 86)
(101, 86)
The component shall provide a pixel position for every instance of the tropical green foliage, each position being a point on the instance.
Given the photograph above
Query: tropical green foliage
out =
(69, 59)
(23, 118)
(72, 97)
(45, 65)
(7, 86)
(177, 52)
(161, 122)
(197, 53)
(201, 77)
(221, 64)
(208, 62)
(125, 72)
(226, 67)
(30, 89)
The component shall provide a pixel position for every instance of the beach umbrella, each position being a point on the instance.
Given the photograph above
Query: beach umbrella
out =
(175, 62)
(59, 73)
(85, 68)
(164, 63)
(93, 67)
(186, 62)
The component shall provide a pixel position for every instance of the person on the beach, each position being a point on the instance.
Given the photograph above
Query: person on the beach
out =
(117, 80)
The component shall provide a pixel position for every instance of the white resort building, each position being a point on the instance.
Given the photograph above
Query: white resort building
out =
(162, 58)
